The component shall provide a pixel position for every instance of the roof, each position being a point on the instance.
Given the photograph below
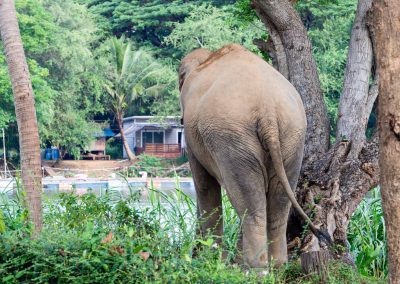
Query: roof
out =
(148, 117)
(130, 129)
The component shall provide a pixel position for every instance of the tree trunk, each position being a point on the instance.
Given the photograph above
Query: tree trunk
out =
(333, 182)
(386, 30)
(349, 169)
(128, 150)
(24, 110)
(287, 30)
(355, 107)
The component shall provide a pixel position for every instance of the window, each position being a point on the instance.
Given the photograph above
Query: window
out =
(156, 137)
(180, 137)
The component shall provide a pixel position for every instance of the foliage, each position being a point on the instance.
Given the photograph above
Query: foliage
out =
(132, 76)
(114, 148)
(329, 28)
(153, 166)
(367, 237)
(166, 103)
(75, 74)
(66, 79)
(148, 22)
(211, 27)
(34, 23)
(109, 239)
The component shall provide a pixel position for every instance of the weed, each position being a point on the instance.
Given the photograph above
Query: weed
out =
(114, 239)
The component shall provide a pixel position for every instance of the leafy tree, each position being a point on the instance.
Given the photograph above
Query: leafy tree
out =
(25, 112)
(329, 25)
(132, 75)
(329, 28)
(166, 102)
(35, 28)
(66, 71)
(76, 73)
(148, 21)
(211, 27)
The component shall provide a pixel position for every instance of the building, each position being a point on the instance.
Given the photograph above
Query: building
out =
(97, 149)
(161, 137)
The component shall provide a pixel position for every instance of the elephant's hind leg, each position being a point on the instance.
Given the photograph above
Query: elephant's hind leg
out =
(246, 190)
(278, 209)
(278, 206)
(209, 201)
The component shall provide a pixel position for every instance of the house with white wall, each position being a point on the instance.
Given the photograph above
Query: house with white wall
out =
(162, 137)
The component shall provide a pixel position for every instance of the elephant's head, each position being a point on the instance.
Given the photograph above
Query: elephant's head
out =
(190, 62)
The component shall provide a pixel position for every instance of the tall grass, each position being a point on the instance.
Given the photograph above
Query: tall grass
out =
(118, 238)
(367, 236)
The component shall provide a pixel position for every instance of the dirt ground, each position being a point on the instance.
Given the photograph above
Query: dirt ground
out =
(89, 168)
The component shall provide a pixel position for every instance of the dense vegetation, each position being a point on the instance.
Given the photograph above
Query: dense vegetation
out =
(106, 239)
(67, 46)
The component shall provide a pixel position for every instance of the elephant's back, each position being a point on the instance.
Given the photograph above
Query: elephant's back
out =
(236, 85)
(224, 101)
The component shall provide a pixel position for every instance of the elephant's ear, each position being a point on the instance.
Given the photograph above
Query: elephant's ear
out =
(191, 62)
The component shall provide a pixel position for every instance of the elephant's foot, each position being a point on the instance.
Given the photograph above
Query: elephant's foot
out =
(255, 254)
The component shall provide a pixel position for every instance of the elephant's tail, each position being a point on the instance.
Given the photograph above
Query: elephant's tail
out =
(271, 142)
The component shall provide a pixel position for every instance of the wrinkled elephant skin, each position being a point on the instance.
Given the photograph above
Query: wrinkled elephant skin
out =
(245, 127)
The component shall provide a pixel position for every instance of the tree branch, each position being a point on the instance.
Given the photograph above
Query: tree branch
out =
(302, 69)
(354, 108)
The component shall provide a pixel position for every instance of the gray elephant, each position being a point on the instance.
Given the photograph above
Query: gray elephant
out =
(245, 128)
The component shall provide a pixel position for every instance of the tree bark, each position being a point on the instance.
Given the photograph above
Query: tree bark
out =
(386, 30)
(354, 105)
(316, 261)
(333, 182)
(288, 31)
(274, 48)
(24, 110)
(128, 150)
(340, 179)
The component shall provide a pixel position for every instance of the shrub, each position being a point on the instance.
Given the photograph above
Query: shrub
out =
(120, 239)
(367, 237)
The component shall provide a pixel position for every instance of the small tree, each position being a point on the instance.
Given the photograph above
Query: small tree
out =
(25, 111)
(132, 76)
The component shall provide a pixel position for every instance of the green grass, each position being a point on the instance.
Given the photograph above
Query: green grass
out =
(149, 243)
(367, 237)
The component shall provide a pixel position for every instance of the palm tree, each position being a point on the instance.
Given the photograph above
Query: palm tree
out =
(24, 110)
(132, 76)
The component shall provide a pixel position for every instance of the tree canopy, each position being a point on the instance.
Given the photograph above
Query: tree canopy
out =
(65, 44)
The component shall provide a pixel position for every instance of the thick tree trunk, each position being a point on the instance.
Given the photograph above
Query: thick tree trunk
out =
(333, 181)
(348, 171)
(24, 110)
(274, 48)
(128, 150)
(386, 30)
(287, 31)
(355, 107)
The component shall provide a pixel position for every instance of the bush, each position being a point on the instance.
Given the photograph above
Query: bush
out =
(120, 239)
(367, 237)
(114, 148)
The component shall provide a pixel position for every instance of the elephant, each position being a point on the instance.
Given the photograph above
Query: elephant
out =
(244, 126)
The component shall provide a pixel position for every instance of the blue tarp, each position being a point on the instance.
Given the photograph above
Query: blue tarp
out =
(107, 132)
